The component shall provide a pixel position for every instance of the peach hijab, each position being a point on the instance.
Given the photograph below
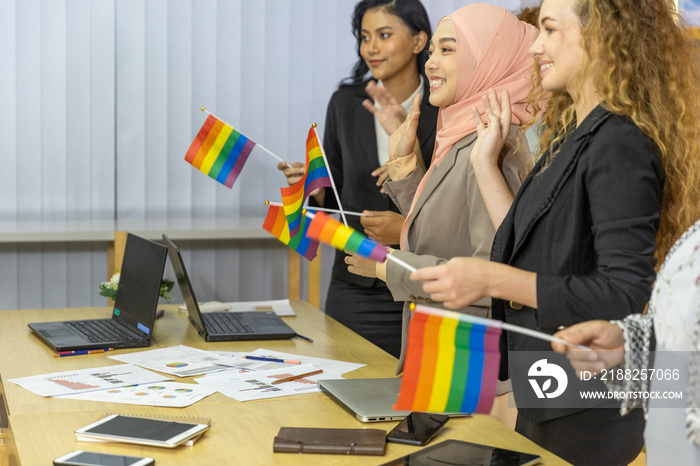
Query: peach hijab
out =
(493, 52)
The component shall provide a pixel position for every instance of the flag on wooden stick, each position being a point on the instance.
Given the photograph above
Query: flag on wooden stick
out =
(276, 223)
(315, 176)
(452, 363)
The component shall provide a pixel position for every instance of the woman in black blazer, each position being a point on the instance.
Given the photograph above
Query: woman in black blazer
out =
(619, 174)
(392, 38)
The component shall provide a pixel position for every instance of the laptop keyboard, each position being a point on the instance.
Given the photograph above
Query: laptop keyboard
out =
(223, 323)
(102, 330)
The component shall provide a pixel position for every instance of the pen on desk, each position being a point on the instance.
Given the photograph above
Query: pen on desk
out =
(260, 358)
(304, 338)
(295, 377)
(62, 354)
(160, 313)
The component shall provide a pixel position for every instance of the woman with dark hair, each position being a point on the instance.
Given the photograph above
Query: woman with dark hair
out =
(392, 39)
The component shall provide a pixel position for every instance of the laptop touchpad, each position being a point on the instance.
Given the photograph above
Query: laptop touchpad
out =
(56, 333)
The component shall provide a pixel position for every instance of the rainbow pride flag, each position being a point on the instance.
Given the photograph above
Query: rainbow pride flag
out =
(452, 363)
(315, 176)
(219, 151)
(276, 223)
(326, 229)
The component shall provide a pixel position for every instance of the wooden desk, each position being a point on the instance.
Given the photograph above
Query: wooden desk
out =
(41, 429)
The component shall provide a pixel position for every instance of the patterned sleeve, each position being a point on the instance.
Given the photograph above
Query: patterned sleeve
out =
(637, 332)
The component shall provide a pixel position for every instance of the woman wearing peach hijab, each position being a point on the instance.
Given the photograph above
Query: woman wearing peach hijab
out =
(476, 48)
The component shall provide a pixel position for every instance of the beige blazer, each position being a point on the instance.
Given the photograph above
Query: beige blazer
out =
(449, 220)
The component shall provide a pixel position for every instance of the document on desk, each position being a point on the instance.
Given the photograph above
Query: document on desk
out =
(237, 360)
(86, 380)
(259, 385)
(281, 307)
(181, 360)
(168, 394)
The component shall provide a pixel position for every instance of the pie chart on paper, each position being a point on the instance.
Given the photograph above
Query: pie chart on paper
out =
(176, 364)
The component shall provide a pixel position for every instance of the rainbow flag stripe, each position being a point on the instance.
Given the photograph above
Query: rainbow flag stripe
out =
(451, 365)
(276, 223)
(315, 176)
(219, 151)
(326, 229)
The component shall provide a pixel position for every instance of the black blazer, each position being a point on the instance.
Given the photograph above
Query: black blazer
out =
(350, 144)
(587, 226)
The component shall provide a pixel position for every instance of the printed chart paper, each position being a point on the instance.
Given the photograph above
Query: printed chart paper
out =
(86, 380)
(258, 385)
(242, 365)
(181, 361)
(328, 365)
(168, 394)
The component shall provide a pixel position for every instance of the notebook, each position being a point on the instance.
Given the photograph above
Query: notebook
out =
(225, 326)
(134, 310)
(369, 400)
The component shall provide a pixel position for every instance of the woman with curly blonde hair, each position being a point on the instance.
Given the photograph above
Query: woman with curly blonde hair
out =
(644, 66)
(616, 183)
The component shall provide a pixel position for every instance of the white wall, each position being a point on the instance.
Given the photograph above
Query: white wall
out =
(99, 101)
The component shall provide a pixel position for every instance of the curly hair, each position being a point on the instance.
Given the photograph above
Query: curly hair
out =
(644, 64)
(529, 15)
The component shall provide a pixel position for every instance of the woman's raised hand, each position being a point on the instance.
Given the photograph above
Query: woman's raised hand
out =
(385, 107)
(492, 135)
(403, 140)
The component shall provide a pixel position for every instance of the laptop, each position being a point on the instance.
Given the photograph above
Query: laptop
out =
(369, 400)
(134, 310)
(225, 326)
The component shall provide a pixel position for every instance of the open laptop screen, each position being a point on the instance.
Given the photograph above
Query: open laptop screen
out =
(184, 283)
(141, 273)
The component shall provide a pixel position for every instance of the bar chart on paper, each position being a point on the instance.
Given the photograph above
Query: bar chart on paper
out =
(259, 385)
(66, 383)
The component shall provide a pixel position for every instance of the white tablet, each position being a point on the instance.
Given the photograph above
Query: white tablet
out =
(141, 430)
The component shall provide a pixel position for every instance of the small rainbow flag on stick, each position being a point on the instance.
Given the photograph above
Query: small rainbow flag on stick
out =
(328, 230)
(315, 176)
(276, 223)
(452, 363)
(220, 151)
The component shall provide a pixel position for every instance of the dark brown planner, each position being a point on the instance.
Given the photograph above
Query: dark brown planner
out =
(330, 441)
